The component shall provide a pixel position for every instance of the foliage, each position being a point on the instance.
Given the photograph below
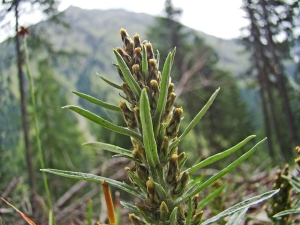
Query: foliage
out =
(158, 178)
(293, 209)
(196, 75)
(59, 151)
(270, 20)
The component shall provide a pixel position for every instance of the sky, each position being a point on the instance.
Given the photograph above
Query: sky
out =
(220, 18)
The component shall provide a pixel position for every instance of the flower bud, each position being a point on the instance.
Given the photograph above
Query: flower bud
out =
(153, 73)
(128, 115)
(128, 46)
(137, 41)
(173, 126)
(181, 183)
(152, 195)
(127, 59)
(169, 105)
(137, 74)
(129, 93)
(163, 150)
(141, 172)
(136, 112)
(149, 50)
(146, 211)
(154, 89)
(180, 215)
(136, 220)
(164, 211)
(195, 201)
(197, 218)
(137, 56)
(173, 170)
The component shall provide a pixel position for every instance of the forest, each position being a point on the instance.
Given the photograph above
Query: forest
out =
(110, 116)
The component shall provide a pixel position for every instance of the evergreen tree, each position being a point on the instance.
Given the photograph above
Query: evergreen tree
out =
(14, 9)
(268, 21)
(60, 151)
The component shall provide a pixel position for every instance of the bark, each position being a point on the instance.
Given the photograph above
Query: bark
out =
(25, 124)
(279, 77)
(257, 56)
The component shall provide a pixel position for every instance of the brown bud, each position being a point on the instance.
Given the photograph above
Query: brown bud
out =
(181, 183)
(197, 218)
(173, 126)
(142, 172)
(170, 89)
(149, 50)
(181, 157)
(127, 59)
(120, 73)
(136, 220)
(129, 93)
(128, 46)
(146, 211)
(137, 41)
(164, 211)
(153, 73)
(153, 198)
(164, 149)
(173, 170)
(128, 115)
(180, 215)
(154, 89)
(136, 111)
(137, 56)
(123, 34)
(169, 105)
(137, 74)
(195, 200)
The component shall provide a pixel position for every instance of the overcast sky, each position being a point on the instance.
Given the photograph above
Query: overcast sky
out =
(221, 18)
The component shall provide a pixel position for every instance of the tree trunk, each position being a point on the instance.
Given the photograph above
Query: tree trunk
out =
(24, 113)
(279, 77)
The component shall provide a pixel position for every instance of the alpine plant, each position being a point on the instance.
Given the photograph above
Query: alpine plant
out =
(166, 193)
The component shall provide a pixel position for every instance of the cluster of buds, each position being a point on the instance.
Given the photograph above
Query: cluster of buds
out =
(282, 201)
(160, 194)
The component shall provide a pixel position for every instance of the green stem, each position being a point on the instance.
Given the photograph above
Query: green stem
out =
(36, 127)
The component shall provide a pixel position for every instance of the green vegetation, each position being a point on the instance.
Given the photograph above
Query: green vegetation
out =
(159, 179)
(179, 173)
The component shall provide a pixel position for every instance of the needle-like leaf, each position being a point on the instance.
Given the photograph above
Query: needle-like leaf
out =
(108, 147)
(97, 101)
(144, 62)
(219, 156)
(195, 189)
(110, 83)
(97, 119)
(237, 217)
(195, 120)
(148, 136)
(127, 75)
(240, 206)
(96, 179)
(163, 93)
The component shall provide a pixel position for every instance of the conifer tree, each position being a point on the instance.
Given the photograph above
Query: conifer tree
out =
(270, 20)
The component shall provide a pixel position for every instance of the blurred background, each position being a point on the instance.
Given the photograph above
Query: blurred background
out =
(249, 48)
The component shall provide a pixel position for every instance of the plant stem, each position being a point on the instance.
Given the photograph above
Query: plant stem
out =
(36, 126)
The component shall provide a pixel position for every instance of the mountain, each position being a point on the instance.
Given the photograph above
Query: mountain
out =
(96, 32)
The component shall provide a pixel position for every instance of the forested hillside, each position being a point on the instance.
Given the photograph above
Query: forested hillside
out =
(77, 55)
